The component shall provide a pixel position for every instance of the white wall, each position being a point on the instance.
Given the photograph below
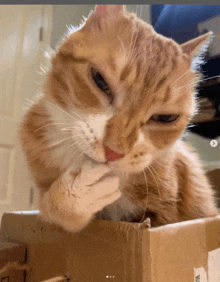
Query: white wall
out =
(66, 15)
(142, 11)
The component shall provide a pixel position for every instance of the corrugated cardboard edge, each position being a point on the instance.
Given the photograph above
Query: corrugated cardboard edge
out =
(125, 239)
(212, 233)
(146, 255)
(140, 244)
(206, 236)
(12, 253)
(118, 238)
(27, 227)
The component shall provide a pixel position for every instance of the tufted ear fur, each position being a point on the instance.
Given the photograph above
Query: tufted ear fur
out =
(109, 10)
(106, 12)
(198, 45)
(196, 49)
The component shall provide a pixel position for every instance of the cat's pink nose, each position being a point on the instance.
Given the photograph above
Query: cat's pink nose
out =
(111, 155)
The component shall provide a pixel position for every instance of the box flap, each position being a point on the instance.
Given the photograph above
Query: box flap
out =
(45, 244)
(120, 251)
(176, 249)
(106, 250)
(10, 252)
(212, 233)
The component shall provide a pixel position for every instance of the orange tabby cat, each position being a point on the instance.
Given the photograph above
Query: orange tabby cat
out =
(119, 96)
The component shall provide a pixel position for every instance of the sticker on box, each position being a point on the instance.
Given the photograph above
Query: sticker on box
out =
(214, 265)
(200, 275)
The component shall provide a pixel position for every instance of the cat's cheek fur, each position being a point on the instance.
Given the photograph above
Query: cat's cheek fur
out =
(87, 132)
(131, 164)
(138, 158)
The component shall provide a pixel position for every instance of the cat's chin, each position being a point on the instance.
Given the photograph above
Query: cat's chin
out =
(98, 159)
(121, 167)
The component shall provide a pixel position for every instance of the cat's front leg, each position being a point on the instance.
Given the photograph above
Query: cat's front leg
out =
(74, 198)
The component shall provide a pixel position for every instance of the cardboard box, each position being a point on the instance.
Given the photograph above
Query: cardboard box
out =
(10, 252)
(119, 251)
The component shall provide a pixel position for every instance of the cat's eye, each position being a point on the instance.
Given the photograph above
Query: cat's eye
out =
(164, 118)
(101, 83)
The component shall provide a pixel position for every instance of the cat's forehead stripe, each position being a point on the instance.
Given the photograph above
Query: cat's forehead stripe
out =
(125, 72)
(160, 83)
(167, 94)
(111, 63)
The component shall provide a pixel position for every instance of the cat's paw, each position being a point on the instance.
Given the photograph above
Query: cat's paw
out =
(75, 197)
(96, 186)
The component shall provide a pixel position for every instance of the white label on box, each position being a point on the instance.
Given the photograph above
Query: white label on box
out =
(200, 275)
(214, 265)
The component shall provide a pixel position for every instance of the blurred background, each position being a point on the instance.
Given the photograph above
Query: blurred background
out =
(25, 33)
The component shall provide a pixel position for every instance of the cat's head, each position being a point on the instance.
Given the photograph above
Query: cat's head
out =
(123, 87)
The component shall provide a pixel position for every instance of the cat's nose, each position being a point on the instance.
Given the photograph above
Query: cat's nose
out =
(111, 155)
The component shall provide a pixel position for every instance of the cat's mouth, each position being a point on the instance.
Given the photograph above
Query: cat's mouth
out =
(118, 162)
(104, 155)
(111, 155)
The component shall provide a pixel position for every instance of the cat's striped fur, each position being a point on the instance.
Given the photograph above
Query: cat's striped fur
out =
(149, 75)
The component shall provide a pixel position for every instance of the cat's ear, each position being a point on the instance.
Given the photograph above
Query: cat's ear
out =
(109, 10)
(103, 12)
(197, 46)
(196, 49)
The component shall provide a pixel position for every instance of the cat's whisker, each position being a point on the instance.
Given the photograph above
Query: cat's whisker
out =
(138, 52)
(62, 133)
(134, 41)
(122, 44)
(134, 58)
(151, 165)
(136, 10)
(40, 73)
(77, 156)
(181, 76)
(85, 146)
(60, 109)
(55, 135)
(44, 69)
(131, 50)
(71, 128)
(78, 116)
(141, 10)
(155, 181)
(190, 84)
(67, 112)
(50, 124)
(75, 150)
(194, 83)
(37, 83)
(29, 100)
(160, 163)
(72, 144)
(130, 45)
(146, 187)
(59, 142)
(158, 176)
(217, 76)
